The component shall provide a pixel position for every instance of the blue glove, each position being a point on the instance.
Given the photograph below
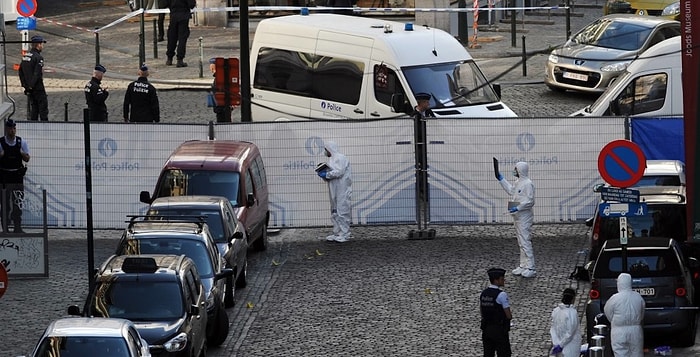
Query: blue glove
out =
(556, 350)
(513, 210)
(499, 177)
(322, 174)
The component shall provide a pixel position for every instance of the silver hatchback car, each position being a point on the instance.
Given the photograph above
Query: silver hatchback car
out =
(602, 50)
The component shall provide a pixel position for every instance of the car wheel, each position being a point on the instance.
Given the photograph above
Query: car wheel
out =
(221, 329)
(229, 297)
(260, 244)
(242, 280)
(687, 338)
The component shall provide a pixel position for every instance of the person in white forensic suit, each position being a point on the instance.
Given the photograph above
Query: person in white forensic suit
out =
(520, 207)
(339, 178)
(625, 311)
(566, 337)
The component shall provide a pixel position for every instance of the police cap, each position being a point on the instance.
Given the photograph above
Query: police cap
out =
(143, 68)
(212, 60)
(10, 123)
(100, 68)
(423, 96)
(495, 273)
(37, 39)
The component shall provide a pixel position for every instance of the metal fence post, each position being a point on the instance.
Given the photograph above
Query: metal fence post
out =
(155, 38)
(524, 52)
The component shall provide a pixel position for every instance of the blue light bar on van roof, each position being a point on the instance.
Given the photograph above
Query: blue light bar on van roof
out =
(408, 27)
(304, 11)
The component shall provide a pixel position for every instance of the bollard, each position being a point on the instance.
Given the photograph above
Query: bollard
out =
(142, 40)
(201, 58)
(211, 131)
(65, 111)
(524, 58)
(97, 46)
(596, 352)
(601, 329)
(568, 20)
(598, 341)
(155, 38)
(512, 28)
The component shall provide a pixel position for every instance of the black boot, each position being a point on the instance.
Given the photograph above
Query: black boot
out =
(169, 61)
(18, 227)
(180, 63)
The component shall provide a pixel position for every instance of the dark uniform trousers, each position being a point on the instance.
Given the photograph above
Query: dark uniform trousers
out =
(12, 178)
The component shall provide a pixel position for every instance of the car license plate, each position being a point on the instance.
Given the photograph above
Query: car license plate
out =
(645, 291)
(576, 76)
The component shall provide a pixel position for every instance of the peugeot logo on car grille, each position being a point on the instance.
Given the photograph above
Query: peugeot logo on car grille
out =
(579, 62)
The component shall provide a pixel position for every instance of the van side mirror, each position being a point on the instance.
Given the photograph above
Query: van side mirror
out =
(250, 200)
(497, 89)
(194, 310)
(145, 197)
(237, 235)
(614, 107)
(398, 103)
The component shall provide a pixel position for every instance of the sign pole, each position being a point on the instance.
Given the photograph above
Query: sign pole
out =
(623, 242)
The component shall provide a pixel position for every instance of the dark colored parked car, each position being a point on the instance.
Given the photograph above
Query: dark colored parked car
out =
(161, 294)
(660, 274)
(228, 233)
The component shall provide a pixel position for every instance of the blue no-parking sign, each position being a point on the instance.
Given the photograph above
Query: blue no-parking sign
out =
(621, 163)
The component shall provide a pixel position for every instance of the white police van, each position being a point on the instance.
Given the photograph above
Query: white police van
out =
(349, 67)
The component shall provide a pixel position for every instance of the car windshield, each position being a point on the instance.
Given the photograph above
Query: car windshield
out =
(613, 34)
(640, 263)
(200, 182)
(452, 84)
(193, 249)
(213, 218)
(138, 300)
(73, 346)
(666, 220)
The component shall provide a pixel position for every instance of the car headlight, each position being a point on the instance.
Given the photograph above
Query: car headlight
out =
(176, 343)
(553, 58)
(672, 10)
(615, 67)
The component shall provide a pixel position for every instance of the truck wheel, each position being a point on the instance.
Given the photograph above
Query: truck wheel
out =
(260, 244)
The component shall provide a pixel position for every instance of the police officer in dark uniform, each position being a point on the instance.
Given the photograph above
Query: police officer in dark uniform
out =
(31, 75)
(141, 100)
(178, 30)
(96, 95)
(422, 110)
(14, 152)
(495, 316)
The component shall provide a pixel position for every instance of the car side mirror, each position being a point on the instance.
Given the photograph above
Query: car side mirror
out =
(73, 310)
(145, 197)
(397, 102)
(693, 263)
(194, 310)
(497, 89)
(224, 273)
(237, 235)
(250, 201)
(589, 222)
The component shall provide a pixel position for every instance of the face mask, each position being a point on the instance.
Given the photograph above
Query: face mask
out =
(515, 173)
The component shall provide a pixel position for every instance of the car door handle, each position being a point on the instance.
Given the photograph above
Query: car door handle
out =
(374, 114)
(358, 111)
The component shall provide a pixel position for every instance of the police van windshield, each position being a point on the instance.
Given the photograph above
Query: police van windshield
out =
(454, 84)
(199, 182)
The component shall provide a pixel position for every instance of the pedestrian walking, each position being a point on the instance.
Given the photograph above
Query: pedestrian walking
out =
(179, 30)
(520, 207)
(422, 110)
(14, 152)
(338, 174)
(625, 311)
(495, 316)
(31, 76)
(96, 95)
(566, 337)
(141, 100)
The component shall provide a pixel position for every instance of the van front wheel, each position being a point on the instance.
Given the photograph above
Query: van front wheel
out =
(260, 244)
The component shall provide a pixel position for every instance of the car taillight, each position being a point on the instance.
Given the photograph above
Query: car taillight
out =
(594, 294)
(680, 288)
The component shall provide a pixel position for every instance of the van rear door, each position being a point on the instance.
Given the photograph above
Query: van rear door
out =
(341, 76)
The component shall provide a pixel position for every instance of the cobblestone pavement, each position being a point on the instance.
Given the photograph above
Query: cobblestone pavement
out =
(379, 295)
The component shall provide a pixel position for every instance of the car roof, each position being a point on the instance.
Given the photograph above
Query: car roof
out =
(87, 326)
(188, 201)
(639, 242)
(670, 167)
(167, 264)
(647, 21)
(211, 155)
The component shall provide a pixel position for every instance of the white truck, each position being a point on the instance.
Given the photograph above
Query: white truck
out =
(349, 67)
(651, 86)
